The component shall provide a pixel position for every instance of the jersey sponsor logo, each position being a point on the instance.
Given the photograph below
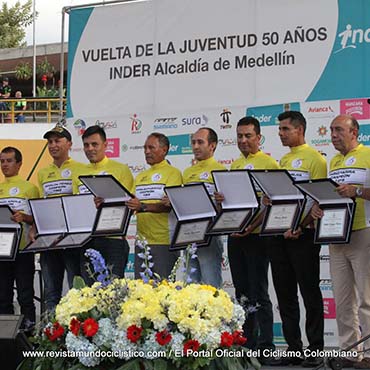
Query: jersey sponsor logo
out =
(150, 191)
(156, 177)
(249, 166)
(349, 175)
(297, 163)
(14, 191)
(66, 173)
(57, 187)
(299, 175)
(204, 176)
(350, 161)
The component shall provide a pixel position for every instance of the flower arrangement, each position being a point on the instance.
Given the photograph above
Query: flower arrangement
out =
(126, 324)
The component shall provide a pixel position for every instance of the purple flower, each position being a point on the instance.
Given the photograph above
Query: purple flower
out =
(99, 266)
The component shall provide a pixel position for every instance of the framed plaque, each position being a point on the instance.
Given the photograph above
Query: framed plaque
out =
(336, 224)
(194, 211)
(10, 235)
(113, 216)
(287, 201)
(240, 204)
(80, 213)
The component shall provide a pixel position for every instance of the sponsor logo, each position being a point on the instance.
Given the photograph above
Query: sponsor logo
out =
(180, 144)
(350, 161)
(227, 142)
(124, 147)
(268, 115)
(137, 168)
(297, 163)
(322, 131)
(165, 123)
(319, 111)
(225, 127)
(195, 121)
(130, 267)
(263, 139)
(204, 176)
(113, 148)
(324, 258)
(136, 147)
(136, 124)
(364, 135)
(66, 173)
(325, 285)
(14, 191)
(156, 177)
(350, 38)
(80, 126)
(106, 125)
(329, 308)
(357, 108)
(249, 166)
(226, 162)
(225, 115)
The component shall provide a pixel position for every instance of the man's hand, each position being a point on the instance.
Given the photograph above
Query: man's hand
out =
(316, 212)
(166, 201)
(294, 235)
(134, 204)
(17, 216)
(98, 201)
(346, 191)
(32, 233)
(246, 232)
(266, 201)
(219, 197)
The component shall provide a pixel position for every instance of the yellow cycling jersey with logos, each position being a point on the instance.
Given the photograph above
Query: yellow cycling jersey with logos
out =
(304, 163)
(15, 192)
(256, 161)
(149, 188)
(57, 181)
(354, 168)
(202, 172)
(106, 166)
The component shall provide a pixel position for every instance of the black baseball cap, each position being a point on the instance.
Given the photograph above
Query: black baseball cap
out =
(58, 131)
(5, 79)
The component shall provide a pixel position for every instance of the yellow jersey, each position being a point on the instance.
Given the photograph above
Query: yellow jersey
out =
(15, 192)
(106, 166)
(354, 168)
(57, 181)
(202, 172)
(149, 188)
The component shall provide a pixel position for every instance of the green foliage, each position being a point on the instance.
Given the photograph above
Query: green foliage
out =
(45, 68)
(13, 21)
(23, 71)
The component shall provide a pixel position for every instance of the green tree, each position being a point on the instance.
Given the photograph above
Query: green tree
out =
(13, 21)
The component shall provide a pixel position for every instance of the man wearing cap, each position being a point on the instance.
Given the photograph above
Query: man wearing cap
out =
(114, 250)
(56, 180)
(5, 91)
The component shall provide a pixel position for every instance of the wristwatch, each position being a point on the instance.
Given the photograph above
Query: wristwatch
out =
(358, 192)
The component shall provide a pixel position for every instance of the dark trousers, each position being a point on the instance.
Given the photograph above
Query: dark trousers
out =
(297, 263)
(22, 271)
(115, 253)
(53, 265)
(249, 268)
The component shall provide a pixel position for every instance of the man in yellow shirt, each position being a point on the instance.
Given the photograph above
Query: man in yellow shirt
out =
(297, 262)
(154, 220)
(350, 263)
(56, 180)
(208, 264)
(247, 252)
(114, 250)
(15, 192)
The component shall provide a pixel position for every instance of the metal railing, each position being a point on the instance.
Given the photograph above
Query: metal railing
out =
(35, 107)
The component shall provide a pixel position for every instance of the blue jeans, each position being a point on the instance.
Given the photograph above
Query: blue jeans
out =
(249, 263)
(208, 265)
(53, 265)
(114, 251)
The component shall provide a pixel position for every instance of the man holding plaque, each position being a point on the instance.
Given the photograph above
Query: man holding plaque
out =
(295, 259)
(14, 192)
(56, 180)
(208, 264)
(248, 251)
(350, 263)
(153, 217)
(114, 250)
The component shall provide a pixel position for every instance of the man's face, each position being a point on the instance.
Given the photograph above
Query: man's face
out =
(289, 135)
(58, 147)
(202, 149)
(154, 153)
(248, 140)
(342, 134)
(94, 148)
(9, 166)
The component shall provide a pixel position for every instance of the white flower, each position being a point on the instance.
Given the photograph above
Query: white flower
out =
(84, 350)
(120, 343)
(104, 335)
